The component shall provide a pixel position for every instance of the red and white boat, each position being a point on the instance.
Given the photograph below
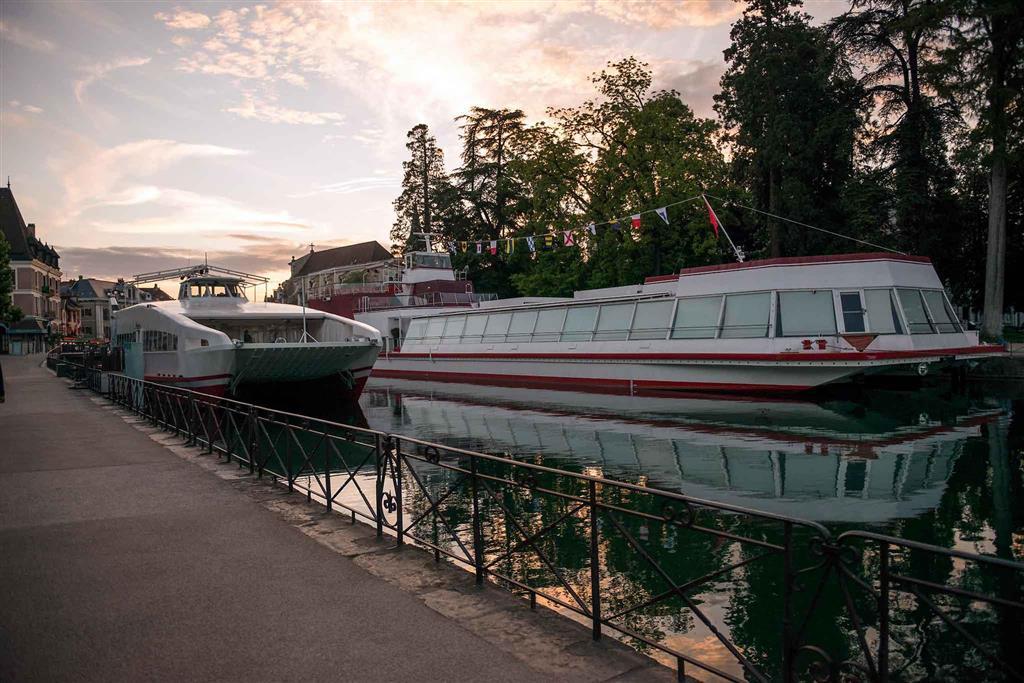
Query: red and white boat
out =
(213, 339)
(776, 325)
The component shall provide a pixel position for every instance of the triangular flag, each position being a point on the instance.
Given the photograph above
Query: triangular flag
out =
(634, 221)
(663, 214)
(479, 248)
(530, 245)
(616, 226)
(592, 229)
(463, 246)
(494, 247)
(711, 215)
(568, 238)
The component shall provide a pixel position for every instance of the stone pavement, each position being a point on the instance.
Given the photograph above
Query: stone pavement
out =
(126, 556)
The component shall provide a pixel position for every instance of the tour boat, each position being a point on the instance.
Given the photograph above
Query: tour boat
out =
(213, 339)
(774, 325)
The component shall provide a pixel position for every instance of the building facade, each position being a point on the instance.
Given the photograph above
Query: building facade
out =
(36, 267)
(96, 300)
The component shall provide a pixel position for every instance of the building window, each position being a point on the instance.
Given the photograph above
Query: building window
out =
(803, 314)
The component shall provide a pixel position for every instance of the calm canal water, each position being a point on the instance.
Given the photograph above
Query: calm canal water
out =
(931, 465)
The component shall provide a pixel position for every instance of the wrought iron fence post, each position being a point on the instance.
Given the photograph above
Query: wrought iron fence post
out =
(478, 541)
(595, 568)
(399, 519)
(254, 440)
(381, 468)
(788, 648)
(883, 612)
(288, 454)
(327, 474)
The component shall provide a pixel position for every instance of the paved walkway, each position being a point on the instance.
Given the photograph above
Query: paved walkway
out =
(120, 561)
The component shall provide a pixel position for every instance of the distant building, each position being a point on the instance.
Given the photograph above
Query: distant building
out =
(320, 271)
(154, 293)
(93, 296)
(36, 267)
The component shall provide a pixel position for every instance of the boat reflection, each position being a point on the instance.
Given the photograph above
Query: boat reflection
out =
(869, 461)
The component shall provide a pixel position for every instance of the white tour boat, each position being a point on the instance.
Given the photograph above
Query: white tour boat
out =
(213, 339)
(779, 325)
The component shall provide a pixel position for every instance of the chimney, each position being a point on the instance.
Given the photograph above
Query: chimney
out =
(31, 229)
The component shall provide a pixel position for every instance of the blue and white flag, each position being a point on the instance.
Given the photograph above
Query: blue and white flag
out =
(663, 214)
(530, 245)
(592, 229)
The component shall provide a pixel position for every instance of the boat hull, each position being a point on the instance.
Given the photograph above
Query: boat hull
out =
(639, 373)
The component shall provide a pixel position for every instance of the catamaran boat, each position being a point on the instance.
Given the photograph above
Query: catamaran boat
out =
(213, 339)
(775, 325)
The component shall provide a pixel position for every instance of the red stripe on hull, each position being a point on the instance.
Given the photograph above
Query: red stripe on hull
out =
(176, 380)
(591, 383)
(793, 357)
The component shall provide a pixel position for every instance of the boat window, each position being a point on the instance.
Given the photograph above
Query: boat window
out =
(497, 327)
(652, 320)
(432, 261)
(942, 316)
(521, 328)
(579, 323)
(803, 314)
(453, 330)
(613, 322)
(416, 330)
(155, 340)
(697, 318)
(882, 315)
(746, 315)
(435, 326)
(474, 329)
(853, 311)
(913, 308)
(549, 324)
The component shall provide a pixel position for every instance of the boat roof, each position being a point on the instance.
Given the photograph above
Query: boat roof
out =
(792, 261)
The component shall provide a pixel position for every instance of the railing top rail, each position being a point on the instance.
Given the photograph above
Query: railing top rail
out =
(916, 545)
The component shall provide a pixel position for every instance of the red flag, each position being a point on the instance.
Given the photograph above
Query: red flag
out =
(711, 216)
(635, 221)
(494, 247)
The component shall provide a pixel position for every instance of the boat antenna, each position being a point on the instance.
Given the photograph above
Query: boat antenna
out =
(426, 238)
(718, 222)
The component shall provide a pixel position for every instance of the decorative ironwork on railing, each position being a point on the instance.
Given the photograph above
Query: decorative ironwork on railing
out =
(646, 564)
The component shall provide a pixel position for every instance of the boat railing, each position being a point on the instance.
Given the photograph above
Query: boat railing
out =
(426, 300)
(632, 561)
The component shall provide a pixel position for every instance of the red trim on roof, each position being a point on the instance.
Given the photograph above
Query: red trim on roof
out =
(661, 278)
(807, 260)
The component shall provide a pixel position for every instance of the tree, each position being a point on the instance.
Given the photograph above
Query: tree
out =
(8, 311)
(981, 69)
(791, 110)
(905, 138)
(426, 200)
(492, 139)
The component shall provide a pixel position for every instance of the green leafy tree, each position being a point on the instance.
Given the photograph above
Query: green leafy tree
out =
(8, 311)
(790, 106)
(427, 201)
(981, 68)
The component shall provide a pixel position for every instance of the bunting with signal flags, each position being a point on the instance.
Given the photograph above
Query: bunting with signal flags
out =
(554, 238)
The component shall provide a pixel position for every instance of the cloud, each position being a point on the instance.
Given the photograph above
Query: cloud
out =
(27, 108)
(20, 36)
(96, 72)
(352, 186)
(183, 19)
(181, 41)
(114, 262)
(260, 110)
(659, 14)
(102, 176)
(697, 84)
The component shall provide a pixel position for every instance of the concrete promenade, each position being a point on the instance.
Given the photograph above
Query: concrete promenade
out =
(124, 556)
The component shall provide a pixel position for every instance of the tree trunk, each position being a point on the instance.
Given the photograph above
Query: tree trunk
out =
(775, 247)
(995, 258)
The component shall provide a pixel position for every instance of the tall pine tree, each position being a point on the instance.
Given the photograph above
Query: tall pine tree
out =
(790, 108)
(427, 200)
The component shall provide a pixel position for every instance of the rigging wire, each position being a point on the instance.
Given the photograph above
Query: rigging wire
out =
(805, 225)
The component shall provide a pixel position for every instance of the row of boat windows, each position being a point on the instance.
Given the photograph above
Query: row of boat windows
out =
(152, 340)
(733, 316)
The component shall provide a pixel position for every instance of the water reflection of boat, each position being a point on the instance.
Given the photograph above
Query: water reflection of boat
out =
(825, 462)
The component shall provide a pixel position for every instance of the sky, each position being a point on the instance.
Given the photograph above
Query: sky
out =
(140, 136)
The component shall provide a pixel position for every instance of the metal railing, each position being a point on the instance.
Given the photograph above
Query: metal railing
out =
(629, 559)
